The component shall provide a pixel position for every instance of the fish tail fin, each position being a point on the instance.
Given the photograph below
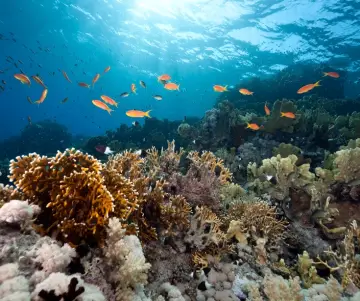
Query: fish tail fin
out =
(109, 111)
(178, 87)
(325, 74)
(147, 113)
(225, 88)
(317, 84)
(252, 93)
(282, 114)
(247, 125)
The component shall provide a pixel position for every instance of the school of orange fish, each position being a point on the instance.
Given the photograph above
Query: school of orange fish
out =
(165, 81)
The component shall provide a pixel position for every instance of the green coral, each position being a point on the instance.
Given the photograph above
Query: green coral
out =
(286, 149)
(307, 271)
(276, 122)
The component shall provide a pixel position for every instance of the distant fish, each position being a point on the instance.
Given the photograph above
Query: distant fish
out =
(252, 126)
(125, 94)
(42, 97)
(331, 74)
(4, 82)
(135, 123)
(142, 84)
(164, 77)
(138, 114)
(95, 79)
(163, 81)
(267, 110)
(245, 92)
(133, 88)
(290, 115)
(172, 87)
(109, 100)
(29, 120)
(65, 100)
(107, 69)
(85, 85)
(104, 149)
(158, 97)
(38, 80)
(29, 99)
(23, 79)
(218, 88)
(102, 105)
(66, 76)
(308, 87)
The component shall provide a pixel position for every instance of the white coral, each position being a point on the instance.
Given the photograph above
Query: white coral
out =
(18, 212)
(126, 259)
(172, 292)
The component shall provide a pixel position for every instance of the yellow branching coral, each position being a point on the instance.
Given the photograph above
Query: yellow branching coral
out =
(213, 163)
(175, 215)
(8, 193)
(70, 189)
(205, 232)
(164, 163)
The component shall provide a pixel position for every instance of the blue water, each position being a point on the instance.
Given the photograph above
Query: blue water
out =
(198, 42)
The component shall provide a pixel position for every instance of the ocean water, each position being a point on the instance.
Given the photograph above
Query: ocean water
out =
(198, 42)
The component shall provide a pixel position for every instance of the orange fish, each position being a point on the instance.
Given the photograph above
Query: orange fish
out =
(308, 87)
(95, 79)
(133, 88)
(267, 110)
(107, 69)
(164, 77)
(172, 86)
(138, 114)
(38, 80)
(245, 92)
(252, 126)
(290, 115)
(102, 105)
(109, 100)
(42, 97)
(66, 76)
(23, 79)
(218, 88)
(332, 74)
(85, 85)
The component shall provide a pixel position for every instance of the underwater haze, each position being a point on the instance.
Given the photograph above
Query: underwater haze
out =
(199, 43)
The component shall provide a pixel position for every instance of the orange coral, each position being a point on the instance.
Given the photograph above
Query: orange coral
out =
(8, 193)
(71, 190)
(213, 163)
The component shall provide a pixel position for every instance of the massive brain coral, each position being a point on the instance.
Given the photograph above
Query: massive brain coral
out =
(71, 191)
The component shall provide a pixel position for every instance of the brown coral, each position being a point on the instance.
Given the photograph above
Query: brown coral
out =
(8, 193)
(71, 191)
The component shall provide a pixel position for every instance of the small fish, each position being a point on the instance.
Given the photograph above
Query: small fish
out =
(218, 88)
(29, 99)
(66, 76)
(23, 79)
(102, 105)
(308, 87)
(104, 149)
(2, 71)
(65, 100)
(42, 97)
(85, 85)
(107, 69)
(20, 62)
(252, 126)
(245, 92)
(125, 94)
(135, 123)
(133, 88)
(267, 110)
(2, 88)
(142, 84)
(95, 79)
(4, 82)
(38, 80)
(163, 81)
(172, 87)
(158, 97)
(138, 114)
(164, 77)
(109, 100)
(331, 74)
(29, 120)
(290, 115)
